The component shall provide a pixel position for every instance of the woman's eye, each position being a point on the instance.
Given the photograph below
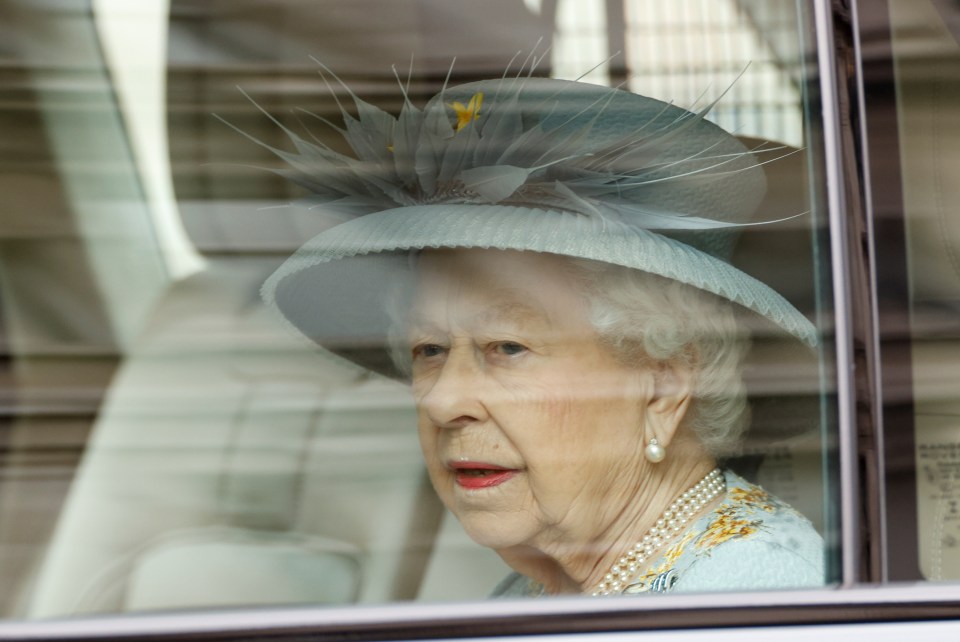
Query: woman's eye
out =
(427, 350)
(510, 348)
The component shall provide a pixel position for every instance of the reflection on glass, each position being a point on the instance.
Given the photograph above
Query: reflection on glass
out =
(678, 49)
(654, 327)
(927, 58)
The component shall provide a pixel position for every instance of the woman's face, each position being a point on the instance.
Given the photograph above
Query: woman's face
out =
(531, 429)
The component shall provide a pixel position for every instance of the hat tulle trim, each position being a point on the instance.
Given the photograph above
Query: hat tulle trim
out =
(521, 143)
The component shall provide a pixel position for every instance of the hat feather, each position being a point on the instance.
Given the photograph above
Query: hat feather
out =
(523, 141)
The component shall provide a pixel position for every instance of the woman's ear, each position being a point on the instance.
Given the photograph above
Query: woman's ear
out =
(670, 402)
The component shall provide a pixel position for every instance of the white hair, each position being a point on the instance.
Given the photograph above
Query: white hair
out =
(647, 320)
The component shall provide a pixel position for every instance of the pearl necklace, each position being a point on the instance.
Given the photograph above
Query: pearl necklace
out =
(670, 523)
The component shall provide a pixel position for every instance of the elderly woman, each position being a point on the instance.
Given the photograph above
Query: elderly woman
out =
(545, 262)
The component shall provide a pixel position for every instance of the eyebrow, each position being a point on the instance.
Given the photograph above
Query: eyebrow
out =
(514, 310)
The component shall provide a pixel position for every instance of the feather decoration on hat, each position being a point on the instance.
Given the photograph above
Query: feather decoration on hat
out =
(555, 145)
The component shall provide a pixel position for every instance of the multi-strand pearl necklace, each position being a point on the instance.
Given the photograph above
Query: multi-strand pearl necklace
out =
(670, 523)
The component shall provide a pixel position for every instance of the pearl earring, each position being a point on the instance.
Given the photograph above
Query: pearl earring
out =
(654, 452)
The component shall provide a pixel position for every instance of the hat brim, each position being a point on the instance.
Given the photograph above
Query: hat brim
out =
(335, 288)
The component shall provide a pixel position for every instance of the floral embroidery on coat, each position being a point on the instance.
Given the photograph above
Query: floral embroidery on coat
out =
(750, 540)
(744, 514)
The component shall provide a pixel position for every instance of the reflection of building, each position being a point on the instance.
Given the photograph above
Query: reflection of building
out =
(689, 52)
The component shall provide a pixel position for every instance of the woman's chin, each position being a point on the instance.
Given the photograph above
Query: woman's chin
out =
(498, 534)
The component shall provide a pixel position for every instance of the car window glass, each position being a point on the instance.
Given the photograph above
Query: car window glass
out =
(174, 442)
(926, 57)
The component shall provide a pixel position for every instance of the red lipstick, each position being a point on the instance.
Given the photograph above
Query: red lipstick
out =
(474, 475)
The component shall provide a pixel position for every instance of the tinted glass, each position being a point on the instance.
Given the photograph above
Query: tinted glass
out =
(172, 441)
(926, 59)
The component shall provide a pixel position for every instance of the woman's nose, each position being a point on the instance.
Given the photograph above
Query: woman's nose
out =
(453, 399)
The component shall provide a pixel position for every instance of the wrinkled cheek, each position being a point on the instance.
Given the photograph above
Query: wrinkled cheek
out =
(569, 463)
(555, 427)
(440, 477)
(428, 439)
(442, 481)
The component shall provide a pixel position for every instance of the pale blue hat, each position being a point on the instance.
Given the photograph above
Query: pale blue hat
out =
(528, 164)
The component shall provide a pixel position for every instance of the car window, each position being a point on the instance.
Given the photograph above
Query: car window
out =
(925, 57)
(186, 431)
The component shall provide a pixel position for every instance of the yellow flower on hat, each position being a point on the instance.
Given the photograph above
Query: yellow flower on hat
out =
(469, 112)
